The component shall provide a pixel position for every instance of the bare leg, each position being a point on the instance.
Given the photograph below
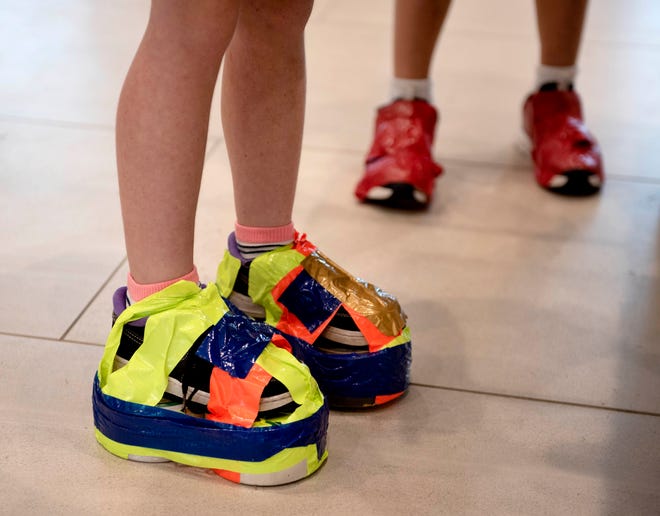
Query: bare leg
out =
(162, 124)
(560, 25)
(263, 105)
(416, 29)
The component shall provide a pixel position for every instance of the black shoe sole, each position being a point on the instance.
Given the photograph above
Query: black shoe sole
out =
(402, 198)
(577, 184)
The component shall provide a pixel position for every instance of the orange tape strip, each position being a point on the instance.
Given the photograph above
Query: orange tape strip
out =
(387, 397)
(375, 338)
(235, 400)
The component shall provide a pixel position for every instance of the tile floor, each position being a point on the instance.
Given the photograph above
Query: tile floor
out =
(536, 374)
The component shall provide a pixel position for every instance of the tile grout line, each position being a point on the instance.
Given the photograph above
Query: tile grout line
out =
(62, 124)
(509, 232)
(94, 297)
(218, 141)
(210, 150)
(415, 384)
(537, 400)
(69, 124)
(66, 124)
(49, 339)
(491, 164)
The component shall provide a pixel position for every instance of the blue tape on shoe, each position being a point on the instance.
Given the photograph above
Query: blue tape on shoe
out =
(357, 375)
(235, 343)
(152, 427)
(309, 301)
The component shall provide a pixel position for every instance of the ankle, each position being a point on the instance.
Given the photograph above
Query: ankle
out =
(411, 89)
(559, 77)
(138, 291)
(253, 241)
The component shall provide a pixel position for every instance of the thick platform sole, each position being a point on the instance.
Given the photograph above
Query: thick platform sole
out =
(358, 380)
(263, 456)
(342, 403)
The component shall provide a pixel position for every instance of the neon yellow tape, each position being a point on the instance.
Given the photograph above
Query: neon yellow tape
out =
(227, 271)
(278, 462)
(304, 390)
(403, 338)
(178, 315)
(267, 271)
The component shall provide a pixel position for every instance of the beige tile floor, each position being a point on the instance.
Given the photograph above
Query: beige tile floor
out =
(536, 374)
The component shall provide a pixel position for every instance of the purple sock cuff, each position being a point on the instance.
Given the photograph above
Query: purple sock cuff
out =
(233, 248)
(119, 300)
(119, 303)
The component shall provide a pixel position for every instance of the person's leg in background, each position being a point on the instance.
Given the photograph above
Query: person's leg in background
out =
(417, 25)
(567, 158)
(560, 24)
(400, 171)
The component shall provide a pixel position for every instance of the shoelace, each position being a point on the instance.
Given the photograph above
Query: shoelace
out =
(299, 238)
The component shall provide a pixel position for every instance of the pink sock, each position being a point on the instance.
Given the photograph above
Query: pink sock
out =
(254, 241)
(138, 291)
(264, 235)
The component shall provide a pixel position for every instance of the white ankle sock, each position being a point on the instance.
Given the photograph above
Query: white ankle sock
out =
(409, 89)
(564, 76)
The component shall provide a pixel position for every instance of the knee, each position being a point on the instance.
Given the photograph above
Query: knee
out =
(275, 18)
(201, 27)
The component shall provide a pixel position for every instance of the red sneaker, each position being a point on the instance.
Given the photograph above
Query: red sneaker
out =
(400, 171)
(567, 158)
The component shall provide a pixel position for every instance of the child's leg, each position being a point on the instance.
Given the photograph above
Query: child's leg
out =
(400, 171)
(567, 158)
(162, 124)
(295, 288)
(416, 27)
(263, 105)
(417, 24)
(167, 388)
(560, 25)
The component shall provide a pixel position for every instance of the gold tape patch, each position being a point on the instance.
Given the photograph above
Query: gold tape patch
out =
(379, 307)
